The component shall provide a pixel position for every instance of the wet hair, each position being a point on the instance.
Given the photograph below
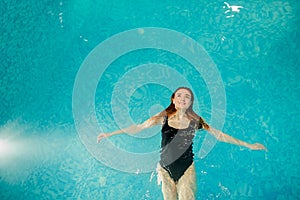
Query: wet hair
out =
(170, 110)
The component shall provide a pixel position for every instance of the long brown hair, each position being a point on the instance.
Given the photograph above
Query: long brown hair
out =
(170, 110)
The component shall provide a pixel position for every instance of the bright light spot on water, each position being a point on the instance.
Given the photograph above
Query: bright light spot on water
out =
(138, 171)
(84, 39)
(231, 9)
(4, 147)
(23, 149)
(224, 189)
(8, 150)
(61, 16)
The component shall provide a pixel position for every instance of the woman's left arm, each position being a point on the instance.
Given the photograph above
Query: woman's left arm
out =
(228, 139)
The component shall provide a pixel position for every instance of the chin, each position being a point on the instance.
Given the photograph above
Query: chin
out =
(181, 108)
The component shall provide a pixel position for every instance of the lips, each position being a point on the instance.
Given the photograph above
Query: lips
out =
(181, 103)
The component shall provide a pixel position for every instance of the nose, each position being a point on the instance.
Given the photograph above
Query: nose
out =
(182, 99)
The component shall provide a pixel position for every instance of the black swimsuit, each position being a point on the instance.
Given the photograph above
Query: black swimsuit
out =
(177, 148)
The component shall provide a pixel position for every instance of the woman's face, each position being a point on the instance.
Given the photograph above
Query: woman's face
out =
(182, 99)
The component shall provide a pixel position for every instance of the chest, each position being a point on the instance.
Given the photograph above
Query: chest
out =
(179, 124)
(187, 131)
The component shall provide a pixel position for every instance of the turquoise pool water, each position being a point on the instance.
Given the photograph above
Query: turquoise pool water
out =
(252, 62)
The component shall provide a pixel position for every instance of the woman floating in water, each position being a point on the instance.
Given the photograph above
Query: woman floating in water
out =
(179, 123)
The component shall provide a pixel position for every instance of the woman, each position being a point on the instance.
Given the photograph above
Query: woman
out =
(179, 123)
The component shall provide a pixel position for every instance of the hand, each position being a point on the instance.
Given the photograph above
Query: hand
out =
(101, 136)
(257, 146)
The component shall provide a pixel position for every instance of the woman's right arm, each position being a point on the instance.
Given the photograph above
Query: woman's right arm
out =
(155, 120)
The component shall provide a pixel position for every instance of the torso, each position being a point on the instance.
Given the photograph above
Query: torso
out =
(177, 146)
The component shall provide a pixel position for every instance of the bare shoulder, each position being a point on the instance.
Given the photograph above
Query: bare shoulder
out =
(157, 119)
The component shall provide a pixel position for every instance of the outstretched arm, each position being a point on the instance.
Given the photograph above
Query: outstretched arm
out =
(132, 129)
(228, 139)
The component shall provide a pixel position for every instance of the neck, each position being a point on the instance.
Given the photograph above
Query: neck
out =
(180, 113)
